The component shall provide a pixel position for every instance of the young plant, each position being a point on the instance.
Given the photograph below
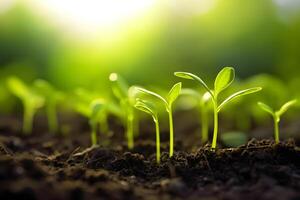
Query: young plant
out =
(147, 107)
(52, 97)
(276, 115)
(121, 91)
(97, 110)
(203, 107)
(224, 78)
(31, 101)
(168, 102)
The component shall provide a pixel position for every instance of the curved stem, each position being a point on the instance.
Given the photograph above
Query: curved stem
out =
(171, 131)
(157, 141)
(276, 130)
(215, 134)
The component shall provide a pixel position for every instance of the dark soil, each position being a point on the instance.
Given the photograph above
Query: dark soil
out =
(43, 166)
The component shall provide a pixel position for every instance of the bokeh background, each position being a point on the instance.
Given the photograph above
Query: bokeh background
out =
(78, 43)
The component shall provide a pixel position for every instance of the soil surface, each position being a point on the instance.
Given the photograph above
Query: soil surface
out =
(44, 166)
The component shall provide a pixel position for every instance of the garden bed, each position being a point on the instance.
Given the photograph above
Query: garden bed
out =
(43, 166)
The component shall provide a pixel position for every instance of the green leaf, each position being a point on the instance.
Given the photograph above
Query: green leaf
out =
(238, 94)
(266, 108)
(119, 86)
(18, 88)
(146, 107)
(187, 75)
(285, 107)
(224, 79)
(148, 92)
(174, 93)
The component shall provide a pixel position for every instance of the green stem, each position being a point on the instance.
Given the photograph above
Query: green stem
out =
(215, 134)
(129, 132)
(157, 141)
(171, 131)
(204, 124)
(276, 130)
(28, 119)
(103, 123)
(52, 118)
(94, 133)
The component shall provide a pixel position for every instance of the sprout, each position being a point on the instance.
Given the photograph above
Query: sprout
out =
(121, 91)
(276, 115)
(147, 107)
(168, 102)
(52, 97)
(31, 101)
(222, 81)
(97, 110)
(204, 107)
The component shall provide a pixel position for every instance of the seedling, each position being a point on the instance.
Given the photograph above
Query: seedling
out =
(52, 97)
(121, 91)
(147, 107)
(203, 107)
(276, 115)
(168, 102)
(31, 101)
(224, 78)
(97, 110)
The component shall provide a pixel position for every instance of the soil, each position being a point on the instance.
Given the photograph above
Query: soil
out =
(45, 166)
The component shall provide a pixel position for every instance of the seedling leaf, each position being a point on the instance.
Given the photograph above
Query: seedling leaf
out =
(285, 107)
(145, 107)
(224, 78)
(174, 93)
(187, 75)
(238, 94)
(148, 92)
(266, 108)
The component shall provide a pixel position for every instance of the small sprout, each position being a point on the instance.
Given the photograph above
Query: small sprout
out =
(168, 102)
(121, 91)
(223, 80)
(147, 107)
(52, 97)
(31, 101)
(276, 115)
(97, 109)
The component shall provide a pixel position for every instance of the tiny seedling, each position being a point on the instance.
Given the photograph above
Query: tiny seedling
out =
(31, 101)
(224, 78)
(149, 108)
(52, 97)
(97, 110)
(276, 115)
(203, 107)
(168, 102)
(121, 90)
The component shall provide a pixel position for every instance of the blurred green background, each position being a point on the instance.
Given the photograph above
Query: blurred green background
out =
(78, 43)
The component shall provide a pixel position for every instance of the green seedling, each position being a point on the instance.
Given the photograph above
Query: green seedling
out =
(97, 111)
(31, 101)
(276, 115)
(224, 78)
(203, 107)
(52, 97)
(168, 102)
(147, 107)
(121, 90)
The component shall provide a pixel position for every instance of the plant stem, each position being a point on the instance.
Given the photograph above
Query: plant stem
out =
(129, 132)
(52, 118)
(204, 124)
(171, 131)
(276, 130)
(215, 134)
(28, 119)
(157, 141)
(103, 123)
(94, 134)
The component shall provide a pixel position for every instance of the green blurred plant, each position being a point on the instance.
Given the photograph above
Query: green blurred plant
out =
(168, 102)
(52, 97)
(121, 91)
(149, 108)
(30, 99)
(277, 114)
(224, 78)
